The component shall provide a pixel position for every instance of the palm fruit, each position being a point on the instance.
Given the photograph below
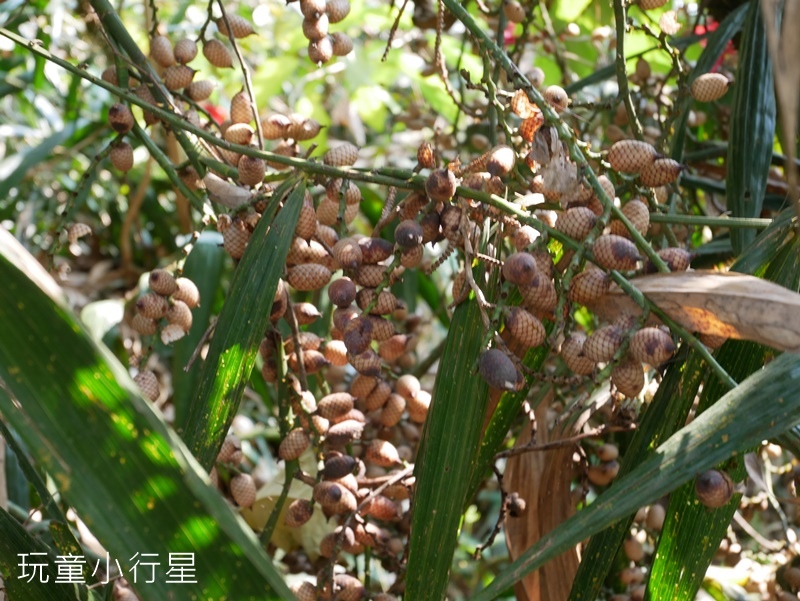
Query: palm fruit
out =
(603, 343)
(357, 335)
(418, 406)
(651, 4)
(712, 341)
(521, 105)
(241, 108)
(348, 253)
(177, 77)
(305, 591)
(367, 363)
(172, 332)
(199, 90)
(333, 190)
(426, 157)
(709, 87)
(243, 490)
(342, 292)
(109, 74)
(120, 118)
(239, 26)
(217, 54)
(185, 50)
(381, 452)
(313, 361)
(514, 11)
(344, 432)
(540, 295)
(298, 513)
(161, 51)
(392, 411)
(631, 156)
(122, 156)
(337, 465)
(235, 238)
(607, 452)
(501, 160)
(525, 328)
(637, 213)
(589, 286)
(251, 170)
(628, 377)
(335, 404)
(180, 314)
(660, 172)
(519, 268)
(407, 386)
(239, 133)
(412, 257)
(337, 10)
(394, 347)
(275, 126)
(187, 292)
(147, 382)
(615, 252)
(576, 222)
(309, 276)
(293, 445)
(529, 126)
(441, 185)
(144, 325)
(231, 450)
(320, 51)
(572, 353)
(557, 97)
(152, 305)
(377, 397)
(498, 370)
(343, 155)
(713, 488)
(408, 234)
(652, 346)
(677, 259)
(144, 94)
(306, 313)
(603, 474)
(384, 302)
(315, 29)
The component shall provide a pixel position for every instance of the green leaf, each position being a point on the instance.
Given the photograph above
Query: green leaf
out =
(240, 328)
(752, 127)
(762, 406)
(446, 457)
(111, 455)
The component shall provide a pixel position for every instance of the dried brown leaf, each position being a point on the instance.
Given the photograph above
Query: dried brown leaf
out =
(730, 304)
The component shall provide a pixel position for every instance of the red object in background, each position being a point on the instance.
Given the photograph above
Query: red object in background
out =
(711, 25)
(509, 35)
(217, 113)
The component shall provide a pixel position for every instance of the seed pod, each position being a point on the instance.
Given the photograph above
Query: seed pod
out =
(589, 286)
(382, 508)
(637, 213)
(651, 4)
(426, 157)
(335, 352)
(408, 234)
(713, 488)
(239, 26)
(187, 292)
(628, 377)
(540, 295)
(519, 268)
(275, 126)
(603, 474)
(343, 155)
(122, 156)
(152, 305)
(180, 314)
(344, 432)
(347, 253)
(407, 386)
(241, 108)
(709, 87)
(412, 257)
(309, 276)
(381, 452)
(320, 51)
(501, 160)
(418, 406)
(677, 259)
(293, 445)
(199, 90)
(392, 411)
(109, 74)
(306, 222)
(357, 335)
(185, 51)
(335, 404)
(652, 346)
(573, 355)
(298, 513)
(338, 466)
(631, 156)
(177, 77)
(383, 303)
(239, 133)
(660, 172)
(615, 252)
(161, 51)
(375, 250)
(120, 118)
(441, 185)
(395, 346)
(315, 29)
(312, 9)
(498, 370)
(367, 363)
(382, 329)
(243, 490)
(337, 10)
(251, 170)
(342, 292)
(524, 328)
(529, 126)
(217, 54)
(147, 382)
(576, 223)
(144, 325)
(231, 450)
(235, 238)
(557, 97)
(306, 313)
(333, 191)
(603, 343)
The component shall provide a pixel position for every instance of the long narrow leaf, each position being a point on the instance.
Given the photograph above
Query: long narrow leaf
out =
(764, 405)
(240, 328)
(113, 458)
(446, 457)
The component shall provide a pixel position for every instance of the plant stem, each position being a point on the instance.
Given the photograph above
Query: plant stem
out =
(622, 74)
(699, 220)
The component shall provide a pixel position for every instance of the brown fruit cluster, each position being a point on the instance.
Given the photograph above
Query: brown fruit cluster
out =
(317, 16)
(170, 299)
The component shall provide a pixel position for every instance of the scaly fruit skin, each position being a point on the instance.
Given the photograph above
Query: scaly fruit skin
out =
(161, 51)
(557, 97)
(309, 276)
(162, 282)
(337, 10)
(152, 305)
(603, 343)
(148, 384)
(576, 222)
(525, 328)
(239, 133)
(631, 156)
(217, 54)
(187, 292)
(120, 118)
(514, 11)
(651, 4)
(638, 213)
(251, 170)
(342, 292)
(628, 377)
(441, 185)
(677, 259)
(122, 156)
(185, 50)
(529, 126)
(519, 268)
(343, 155)
(382, 453)
(293, 445)
(243, 490)
(315, 29)
(589, 286)
(572, 353)
(713, 488)
(199, 90)
(320, 51)
(240, 27)
(180, 314)
(178, 77)
(426, 157)
(660, 172)
(241, 108)
(298, 513)
(652, 346)
(709, 87)
(615, 252)
(76, 231)
(144, 325)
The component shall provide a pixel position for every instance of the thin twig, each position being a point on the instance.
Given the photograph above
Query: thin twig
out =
(563, 442)
(622, 73)
(298, 351)
(203, 339)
